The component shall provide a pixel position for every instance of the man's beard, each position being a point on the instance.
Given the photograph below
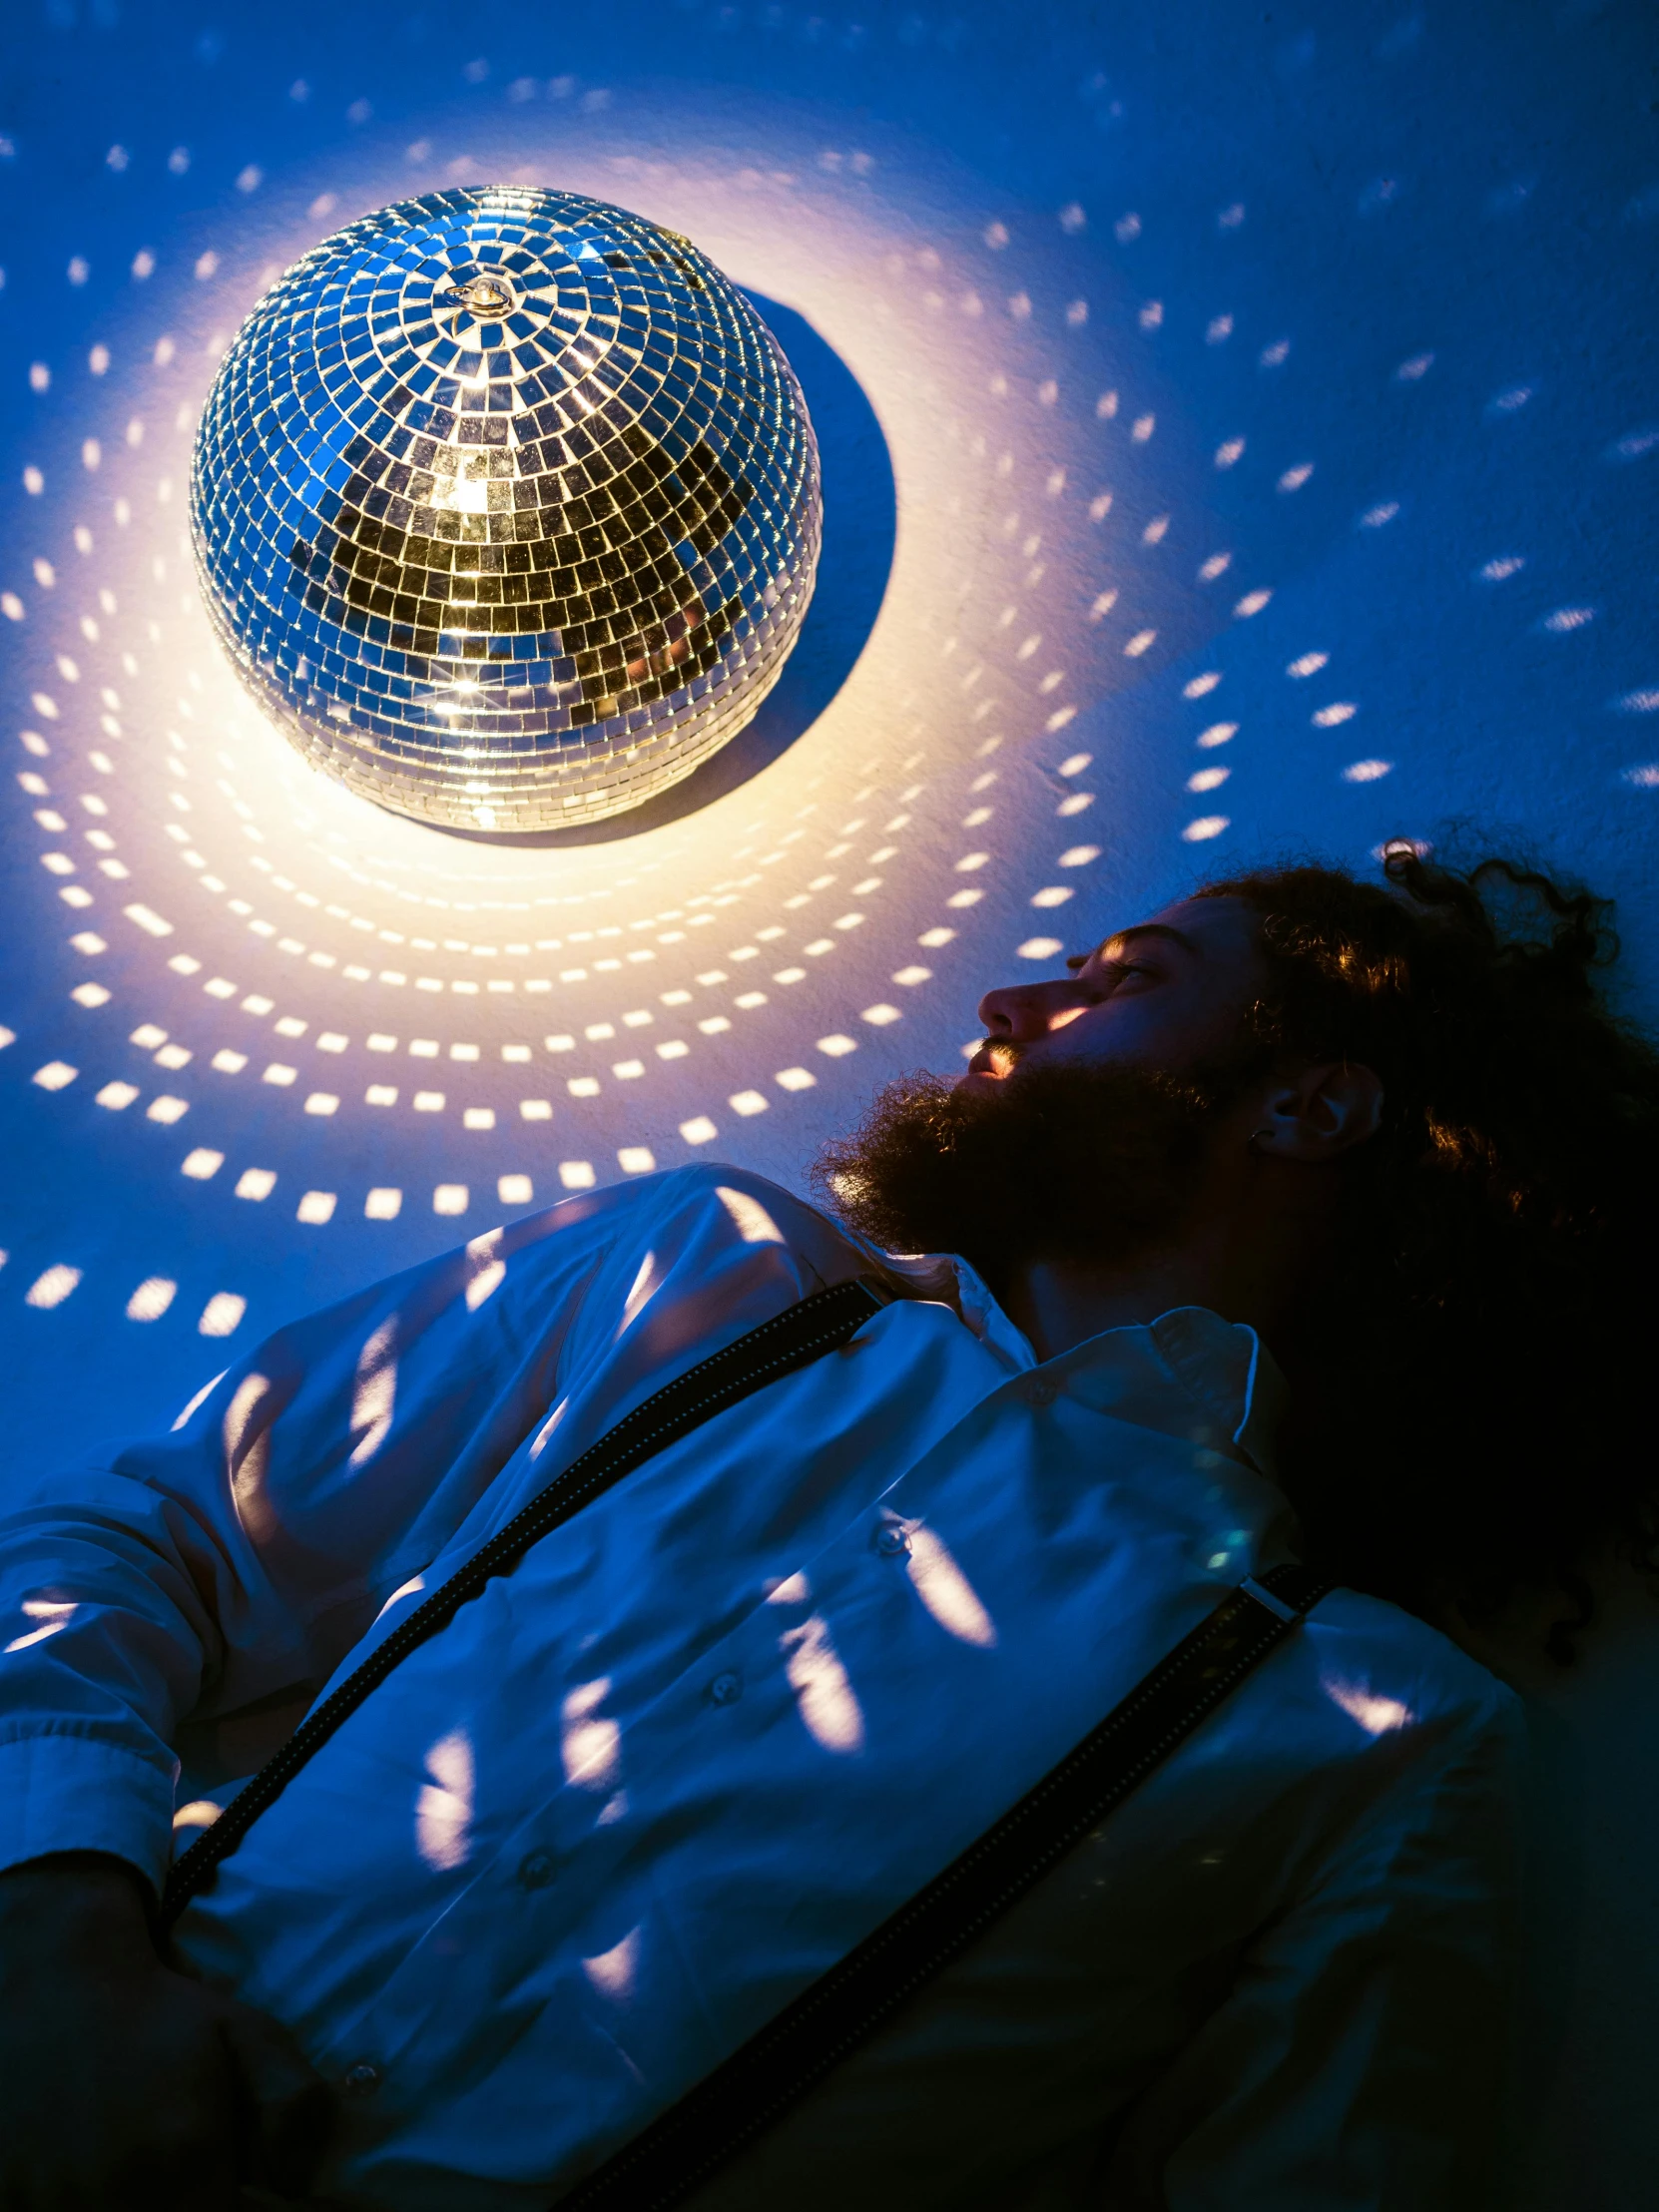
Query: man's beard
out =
(1065, 1162)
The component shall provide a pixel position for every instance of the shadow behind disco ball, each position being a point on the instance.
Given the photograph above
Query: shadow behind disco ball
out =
(506, 504)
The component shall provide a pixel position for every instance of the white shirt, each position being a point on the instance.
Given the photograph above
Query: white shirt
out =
(710, 1732)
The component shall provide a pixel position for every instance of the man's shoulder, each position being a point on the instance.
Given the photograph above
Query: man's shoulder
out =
(756, 1210)
(692, 1222)
(1391, 1670)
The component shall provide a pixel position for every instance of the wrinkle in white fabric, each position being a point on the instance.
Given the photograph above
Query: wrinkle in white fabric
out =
(946, 1590)
(823, 1692)
(374, 1394)
(1377, 1716)
(246, 1442)
(53, 1614)
(485, 1270)
(748, 1217)
(644, 1284)
(590, 1745)
(613, 1971)
(443, 1810)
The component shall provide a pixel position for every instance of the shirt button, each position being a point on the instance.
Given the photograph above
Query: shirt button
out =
(1041, 1394)
(891, 1539)
(726, 1689)
(359, 2079)
(536, 1870)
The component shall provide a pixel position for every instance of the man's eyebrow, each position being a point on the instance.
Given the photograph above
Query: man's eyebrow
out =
(1153, 929)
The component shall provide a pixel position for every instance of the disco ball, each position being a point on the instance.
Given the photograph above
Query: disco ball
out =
(506, 506)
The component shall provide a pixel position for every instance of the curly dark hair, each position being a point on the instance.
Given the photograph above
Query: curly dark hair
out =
(1471, 1416)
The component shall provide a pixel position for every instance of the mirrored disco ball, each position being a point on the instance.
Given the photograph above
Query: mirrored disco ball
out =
(506, 505)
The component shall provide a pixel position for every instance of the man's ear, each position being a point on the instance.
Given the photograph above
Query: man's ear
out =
(1319, 1114)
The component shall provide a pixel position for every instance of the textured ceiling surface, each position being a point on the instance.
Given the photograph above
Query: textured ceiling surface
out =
(1239, 434)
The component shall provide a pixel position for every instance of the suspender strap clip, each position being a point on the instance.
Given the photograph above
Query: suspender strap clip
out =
(1275, 1604)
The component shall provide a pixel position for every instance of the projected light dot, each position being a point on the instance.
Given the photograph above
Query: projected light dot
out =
(506, 504)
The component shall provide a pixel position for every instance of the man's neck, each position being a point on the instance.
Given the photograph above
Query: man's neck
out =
(1061, 1303)
(1058, 1304)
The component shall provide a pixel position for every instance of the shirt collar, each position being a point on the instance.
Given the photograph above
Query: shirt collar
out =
(1188, 1373)
(1226, 1369)
(945, 1279)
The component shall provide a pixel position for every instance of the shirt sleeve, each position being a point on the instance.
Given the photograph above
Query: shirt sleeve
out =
(225, 1569)
(1359, 2062)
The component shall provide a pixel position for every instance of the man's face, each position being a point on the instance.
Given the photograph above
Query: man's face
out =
(1084, 1122)
(1169, 993)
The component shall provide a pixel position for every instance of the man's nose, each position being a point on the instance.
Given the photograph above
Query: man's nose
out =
(1021, 1012)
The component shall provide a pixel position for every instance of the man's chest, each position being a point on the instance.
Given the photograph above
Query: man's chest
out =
(701, 1741)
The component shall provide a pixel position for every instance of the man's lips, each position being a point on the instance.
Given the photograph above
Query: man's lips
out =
(994, 1059)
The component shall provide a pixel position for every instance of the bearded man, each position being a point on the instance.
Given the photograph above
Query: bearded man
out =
(1293, 1222)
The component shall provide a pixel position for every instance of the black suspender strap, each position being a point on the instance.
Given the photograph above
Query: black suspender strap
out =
(791, 1339)
(688, 2144)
